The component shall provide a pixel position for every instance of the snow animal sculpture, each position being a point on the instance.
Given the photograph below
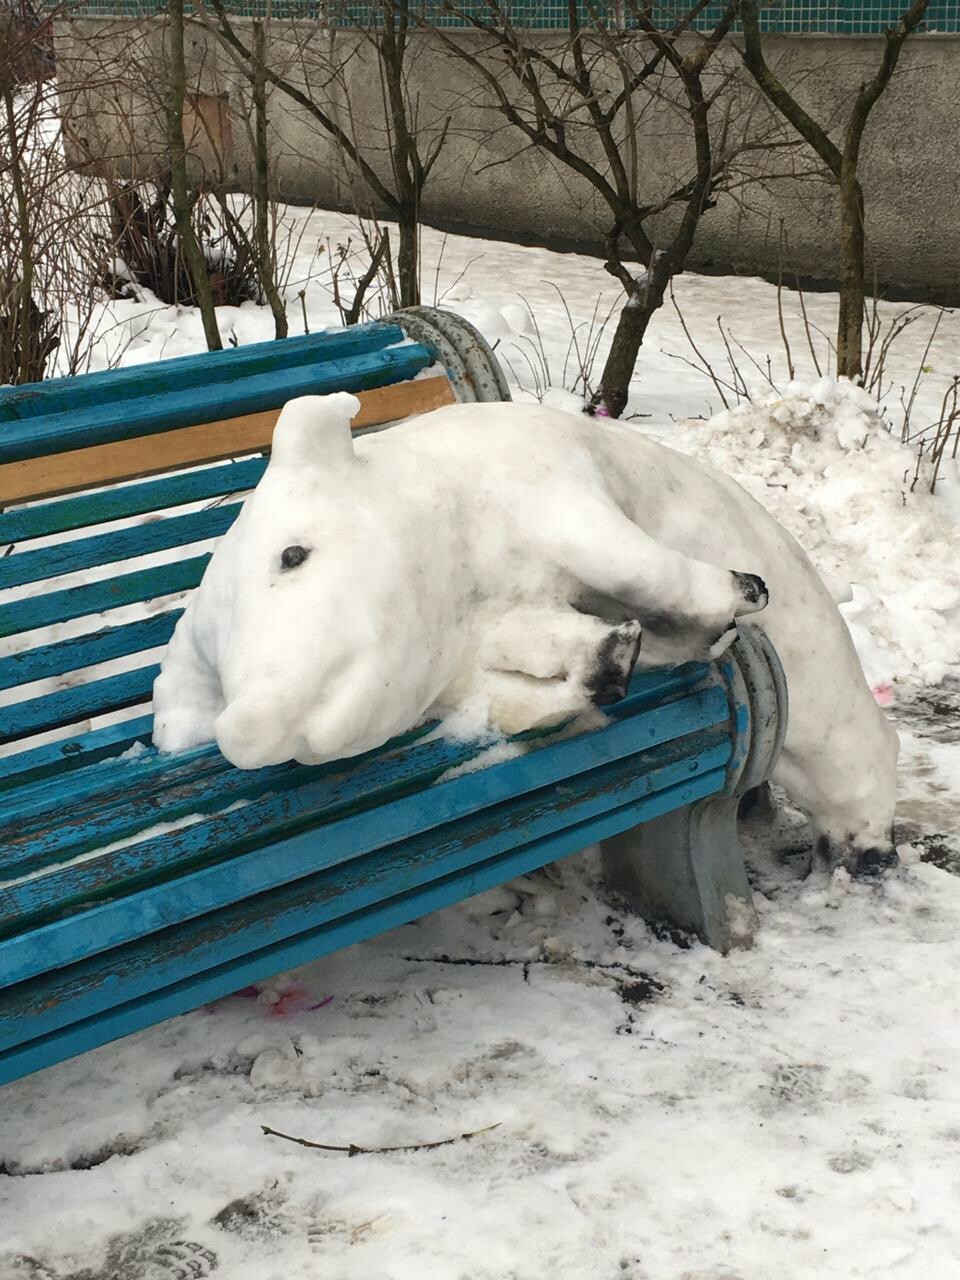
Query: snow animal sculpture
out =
(507, 555)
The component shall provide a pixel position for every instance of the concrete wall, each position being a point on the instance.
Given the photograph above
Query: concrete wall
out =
(487, 182)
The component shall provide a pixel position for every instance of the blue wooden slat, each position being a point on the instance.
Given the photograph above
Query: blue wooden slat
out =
(32, 837)
(39, 806)
(172, 409)
(214, 887)
(351, 783)
(28, 808)
(656, 685)
(178, 953)
(98, 597)
(67, 706)
(182, 372)
(284, 947)
(249, 944)
(122, 544)
(106, 802)
(69, 755)
(118, 502)
(206, 788)
(120, 798)
(86, 651)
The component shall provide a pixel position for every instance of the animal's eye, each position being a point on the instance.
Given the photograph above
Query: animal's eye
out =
(293, 557)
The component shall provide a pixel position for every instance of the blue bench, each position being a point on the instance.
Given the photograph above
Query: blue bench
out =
(135, 886)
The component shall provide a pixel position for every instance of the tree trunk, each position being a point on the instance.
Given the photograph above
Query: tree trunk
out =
(852, 291)
(611, 398)
(265, 249)
(179, 188)
(408, 258)
(407, 172)
(25, 371)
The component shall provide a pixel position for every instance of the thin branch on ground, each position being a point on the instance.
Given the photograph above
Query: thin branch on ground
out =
(353, 1150)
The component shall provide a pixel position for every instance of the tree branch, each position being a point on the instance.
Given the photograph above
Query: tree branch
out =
(870, 92)
(786, 104)
(353, 1150)
(228, 36)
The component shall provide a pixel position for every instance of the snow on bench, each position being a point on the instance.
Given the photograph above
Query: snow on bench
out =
(135, 886)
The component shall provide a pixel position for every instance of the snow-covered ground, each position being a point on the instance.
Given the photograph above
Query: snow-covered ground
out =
(661, 1113)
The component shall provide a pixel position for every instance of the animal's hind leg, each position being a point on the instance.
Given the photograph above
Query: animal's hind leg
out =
(670, 593)
(539, 666)
(516, 702)
(588, 652)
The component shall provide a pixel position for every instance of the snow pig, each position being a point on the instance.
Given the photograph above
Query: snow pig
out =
(506, 556)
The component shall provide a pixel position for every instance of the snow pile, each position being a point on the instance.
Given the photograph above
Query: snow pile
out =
(821, 459)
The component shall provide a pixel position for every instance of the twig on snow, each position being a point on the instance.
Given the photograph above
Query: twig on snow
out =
(354, 1150)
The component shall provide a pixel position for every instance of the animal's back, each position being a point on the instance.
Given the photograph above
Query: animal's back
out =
(840, 754)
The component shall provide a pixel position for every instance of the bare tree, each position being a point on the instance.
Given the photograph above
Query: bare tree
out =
(249, 227)
(51, 252)
(264, 213)
(147, 114)
(183, 197)
(591, 97)
(27, 336)
(842, 161)
(315, 71)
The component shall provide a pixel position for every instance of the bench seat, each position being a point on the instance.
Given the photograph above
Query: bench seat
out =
(107, 924)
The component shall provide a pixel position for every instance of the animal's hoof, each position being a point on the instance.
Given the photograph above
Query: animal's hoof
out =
(753, 592)
(610, 694)
(615, 660)
(874, 862)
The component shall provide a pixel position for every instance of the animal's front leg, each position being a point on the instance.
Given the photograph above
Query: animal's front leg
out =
(673, 595)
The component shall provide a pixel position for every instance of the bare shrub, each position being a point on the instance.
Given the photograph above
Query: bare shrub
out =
(49, 216)
(841, 159)
(147, 247)
(596, 100)
(529, 363)
(739, 372)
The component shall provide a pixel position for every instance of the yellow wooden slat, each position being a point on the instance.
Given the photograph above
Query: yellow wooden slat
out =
(59, 473)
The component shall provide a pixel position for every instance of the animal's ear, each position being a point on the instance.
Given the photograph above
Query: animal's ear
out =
(314, 431)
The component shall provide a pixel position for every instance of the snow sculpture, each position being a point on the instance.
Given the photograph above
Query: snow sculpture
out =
(505, 557)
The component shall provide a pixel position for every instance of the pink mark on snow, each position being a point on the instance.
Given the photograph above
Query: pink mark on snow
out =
(296, 1001)
(601, 411)
(293, 1000)
(883, 693)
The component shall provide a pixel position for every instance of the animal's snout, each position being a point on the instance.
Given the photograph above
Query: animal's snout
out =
(874, 862)
(862, 864)
(253, 732)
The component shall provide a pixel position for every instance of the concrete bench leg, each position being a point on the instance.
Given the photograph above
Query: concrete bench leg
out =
(687, 867)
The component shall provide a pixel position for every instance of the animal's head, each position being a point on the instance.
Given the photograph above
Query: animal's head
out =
(313, 607)
(854, 825)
